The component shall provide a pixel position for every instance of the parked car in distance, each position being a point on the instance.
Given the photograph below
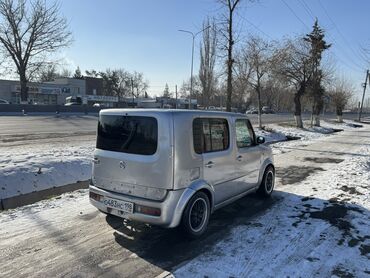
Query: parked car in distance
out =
(267, 110)
(97, 104)
(252, 111)
(73, 100)
(3, 101)
(176, 167)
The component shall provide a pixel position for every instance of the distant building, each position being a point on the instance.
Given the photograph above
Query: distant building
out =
(55, 92)
(88, 90)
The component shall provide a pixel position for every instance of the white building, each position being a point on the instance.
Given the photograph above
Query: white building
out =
(50, 93)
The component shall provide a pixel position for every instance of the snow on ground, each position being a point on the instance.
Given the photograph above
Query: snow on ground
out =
(39, 167)
(317, 229)
(34, 168)
(277, 134)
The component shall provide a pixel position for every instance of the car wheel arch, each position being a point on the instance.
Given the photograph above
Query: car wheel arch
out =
(189, 192)
(266, 163)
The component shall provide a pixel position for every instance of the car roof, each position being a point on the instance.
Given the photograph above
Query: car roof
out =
(116, 111)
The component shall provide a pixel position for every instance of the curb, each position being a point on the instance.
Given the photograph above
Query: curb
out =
(165, 274)
(33, 197)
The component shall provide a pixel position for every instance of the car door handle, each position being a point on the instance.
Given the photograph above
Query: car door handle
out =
(239, 158)
(210, 164)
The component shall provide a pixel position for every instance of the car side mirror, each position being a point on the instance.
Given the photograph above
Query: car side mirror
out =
(260, 140)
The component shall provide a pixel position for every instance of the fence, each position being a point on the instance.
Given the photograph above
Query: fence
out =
(28, 108)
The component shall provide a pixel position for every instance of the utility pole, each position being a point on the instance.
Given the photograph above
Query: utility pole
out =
(363, 95)
(132, 92)
(176, 96)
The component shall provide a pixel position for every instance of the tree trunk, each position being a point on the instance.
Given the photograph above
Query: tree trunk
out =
(230, 63)
(318, 103)
(316, 120)
(316, 112)
(259, 108)
(313, 109)
(24, 89)
(298, 109)
(339, 114)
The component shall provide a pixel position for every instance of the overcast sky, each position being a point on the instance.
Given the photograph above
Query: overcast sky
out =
(143, 35)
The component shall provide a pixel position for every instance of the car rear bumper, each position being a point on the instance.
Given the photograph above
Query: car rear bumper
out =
(170, 210)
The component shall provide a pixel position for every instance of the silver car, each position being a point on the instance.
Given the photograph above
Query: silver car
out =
(176, 167)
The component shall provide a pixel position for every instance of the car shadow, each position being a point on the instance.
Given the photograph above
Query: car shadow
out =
(167, 248)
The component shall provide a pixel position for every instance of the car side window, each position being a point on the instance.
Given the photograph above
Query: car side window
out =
(244, 133)
(210, 135)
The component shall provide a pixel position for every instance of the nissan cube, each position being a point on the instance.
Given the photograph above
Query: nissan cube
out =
(176, 167)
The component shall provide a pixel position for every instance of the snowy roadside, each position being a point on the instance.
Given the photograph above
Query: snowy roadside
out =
(33, 168)
(28, 169)
(280, 136)
(317, 229)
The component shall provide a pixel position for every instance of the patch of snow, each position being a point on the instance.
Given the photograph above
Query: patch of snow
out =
(317, 229)
(34, 168)
(276, 134)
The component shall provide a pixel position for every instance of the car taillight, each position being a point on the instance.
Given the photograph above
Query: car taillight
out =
(95, 196)
(147, 210)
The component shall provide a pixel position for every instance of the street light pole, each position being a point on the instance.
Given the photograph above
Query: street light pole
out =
(192, 58)
(363, 95)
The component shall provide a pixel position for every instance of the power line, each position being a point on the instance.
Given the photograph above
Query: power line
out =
(307, 9)
(339, 32)
(345, 63)
(294, 13)
(255, 27)
(312, 15)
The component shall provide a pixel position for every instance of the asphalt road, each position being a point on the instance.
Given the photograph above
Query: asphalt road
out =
(46, 126)
(51, 129)
(73, 239)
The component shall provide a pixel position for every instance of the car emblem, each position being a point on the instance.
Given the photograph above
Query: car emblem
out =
(122, 164)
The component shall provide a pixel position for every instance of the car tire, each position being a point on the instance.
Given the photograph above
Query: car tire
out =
(196, 215)
(268, 182)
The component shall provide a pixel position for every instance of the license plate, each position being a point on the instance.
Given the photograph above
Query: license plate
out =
(119, 205)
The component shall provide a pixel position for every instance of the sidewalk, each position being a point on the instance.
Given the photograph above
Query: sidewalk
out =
(320, 226)
(316, 224)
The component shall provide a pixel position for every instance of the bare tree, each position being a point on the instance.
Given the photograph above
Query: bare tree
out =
(258, 54)
(48, 73)
(78, 74)
(120, 82)
(207, 61)
(340, 95)
(294, 63)
(138, 83)
(197, 88)
(66, 73)
(28, 33)
(228, 34)
(241, 86)
(51, 71)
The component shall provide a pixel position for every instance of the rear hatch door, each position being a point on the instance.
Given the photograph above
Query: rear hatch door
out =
(134, 153)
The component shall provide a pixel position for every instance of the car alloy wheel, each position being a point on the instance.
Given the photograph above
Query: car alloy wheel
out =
(269, 181)
(198, 214)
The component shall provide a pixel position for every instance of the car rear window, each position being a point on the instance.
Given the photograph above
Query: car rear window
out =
(127, 134)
